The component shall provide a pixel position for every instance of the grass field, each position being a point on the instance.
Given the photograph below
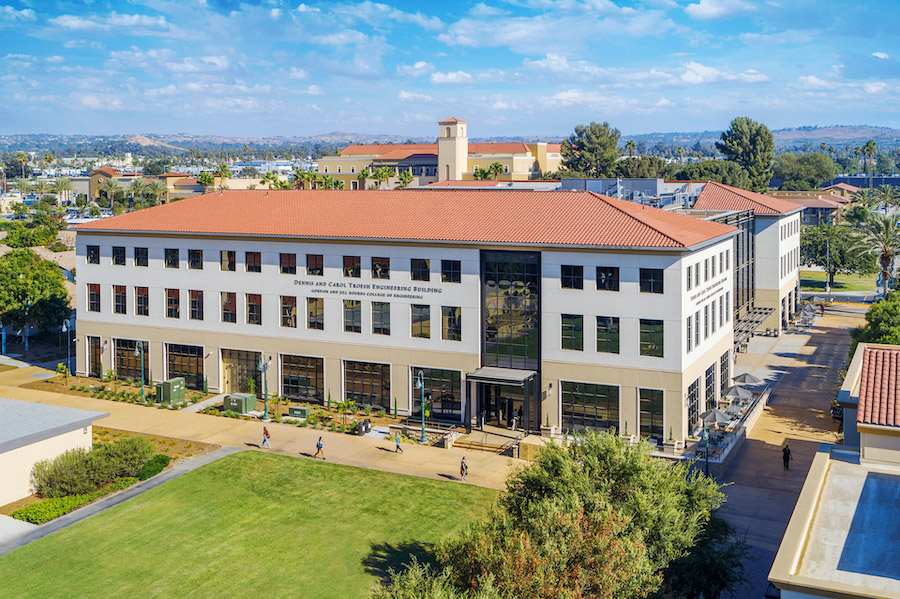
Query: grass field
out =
(814, 280)
(248, 525)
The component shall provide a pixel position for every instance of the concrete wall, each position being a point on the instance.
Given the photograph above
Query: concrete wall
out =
(879, 445)
(16, 465)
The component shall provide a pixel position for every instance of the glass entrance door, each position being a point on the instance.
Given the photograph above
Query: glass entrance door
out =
(498, 403)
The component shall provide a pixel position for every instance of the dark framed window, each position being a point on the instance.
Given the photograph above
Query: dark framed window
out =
(353, 316)
(303, 378)
(608, 334)
(289, 311)
(607, 278)
(253, 261)
(315, 313)
(381, 318)
(254, 308)
(651, 280)
(93, 254)
(573, 331)
(710, 395)
(697, 328)
(381, 268)
(229, 306)
(141, 257)
(93, 297)
(195, 259)
(451, 323)
(690, 334)
(173, 303)
(315, 265)
(118, 255)
(589, 406)
(572, 277)
(443, 392)
(706, 270)
(196, 298)
(421, 321)
(242, 366)
(228, 260)
(652, 338)
(651, 404)
(693, 401)
(351, 267)
(420, 269)
(128, 365)
(690, 278)
(451, 271)
(185, 361)
(368, 383)
(120, 299)
(724, 373)
(510, 325)
(288, 263)
(142, 301)
(705, 322)
(172, 257)
(95, 368)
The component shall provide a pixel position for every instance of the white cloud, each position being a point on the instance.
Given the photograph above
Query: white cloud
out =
(96, 101)
(307, 9)
(696, 73)
(346, 37)
(788, 36)
(405, 96)
(19, 58)
(560, 65)
(874, 87)
(313, 90)
(198, 65)
(880, 55)
(712, 10)
(135, 24)
(54, 59)
(451, 78)
(415, 70)
(82, 44)
(811, 82)
(378, 14)
(8, 14)
(296, 73)
(574, 97)
(482, 10)
(275, 14)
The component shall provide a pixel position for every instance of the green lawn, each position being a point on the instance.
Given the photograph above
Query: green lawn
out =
(248, 525)
(814, 280)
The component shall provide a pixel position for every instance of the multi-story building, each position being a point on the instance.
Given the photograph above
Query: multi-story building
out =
(566, 308)
(776, 245)
(178, 185)
(452, 158)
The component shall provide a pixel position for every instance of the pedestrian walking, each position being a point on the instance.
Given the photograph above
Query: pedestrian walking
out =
(786, 457)
(319, 449)
(463, 470)
(515, 421)
(397, 448)
(265, 441)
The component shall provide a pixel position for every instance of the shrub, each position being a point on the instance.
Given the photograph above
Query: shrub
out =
(381, 413)
(67, 474)
(127, 456)
(368, 410)
(48, 509)
(154, 466)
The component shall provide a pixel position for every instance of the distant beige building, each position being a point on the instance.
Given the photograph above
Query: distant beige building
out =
(452, 158)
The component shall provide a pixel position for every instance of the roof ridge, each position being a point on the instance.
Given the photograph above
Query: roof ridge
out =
(634, 217)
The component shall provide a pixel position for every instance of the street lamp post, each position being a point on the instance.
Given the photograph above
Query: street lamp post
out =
(27, 307)
(65, 329)
(827, 267)
(706, 453)
(263, 368)
(420, 384)
(139, 351)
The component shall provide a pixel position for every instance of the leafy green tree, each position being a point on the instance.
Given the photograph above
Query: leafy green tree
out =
(19, 208)
(832, 247)
(882, 323)
(156, 167)
(249, 172)
(406, 178)
(751, 145)
(206, 180)
(24, 279)
(803, 172)
(222, 172)
(880, 237)
(592, 149)
(481, 174)
(642, 167)
(718, 171)
(495, 169)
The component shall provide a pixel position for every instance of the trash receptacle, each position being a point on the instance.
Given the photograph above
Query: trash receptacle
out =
(360, 428)
(367, 424)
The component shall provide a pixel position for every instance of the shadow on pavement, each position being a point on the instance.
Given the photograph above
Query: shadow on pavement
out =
(385, 557)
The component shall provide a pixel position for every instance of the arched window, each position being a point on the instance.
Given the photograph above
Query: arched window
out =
(447, 170)
(448, 132)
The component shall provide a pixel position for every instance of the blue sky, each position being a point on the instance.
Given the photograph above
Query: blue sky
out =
(513, 67)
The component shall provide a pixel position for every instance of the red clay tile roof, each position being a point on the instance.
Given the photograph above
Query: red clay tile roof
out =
(466, 183)
(106, 170)
(546, 218)
(186, 181)
(172, 175)
(499, 148)
(554, 147)
(844, 186)
(376, 149)
(716, 196)
(816, 202)
(879, 388)
(400, 151)
(835, 198)
(452, 119)
(404, 153)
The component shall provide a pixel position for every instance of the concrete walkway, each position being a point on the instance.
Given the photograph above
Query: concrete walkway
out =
(37, 532)
(761, 494)
(485, 469)
(206, 403)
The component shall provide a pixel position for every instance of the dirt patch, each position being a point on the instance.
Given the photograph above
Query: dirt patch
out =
(6, 367)
(9, 508)
(89, 386)
(174, 448)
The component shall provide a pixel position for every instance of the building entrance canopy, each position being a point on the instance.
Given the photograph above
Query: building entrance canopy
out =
(502, 376)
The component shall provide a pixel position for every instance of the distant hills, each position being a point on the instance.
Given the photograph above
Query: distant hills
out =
(809, 138)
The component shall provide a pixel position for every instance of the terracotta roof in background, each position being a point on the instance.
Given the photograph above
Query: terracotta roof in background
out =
(452, 119)
(499, 148)
(476, 216)
(166, 175)
(404, 153)
(106, 170)
(817, 202)
(844, 186)
(879, 388)
(716, 196)
(835, 198)
(390, 151)
(554, 147)
(186, 181)
(366, 149)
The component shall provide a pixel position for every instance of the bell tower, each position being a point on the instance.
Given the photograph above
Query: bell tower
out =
(453, 149)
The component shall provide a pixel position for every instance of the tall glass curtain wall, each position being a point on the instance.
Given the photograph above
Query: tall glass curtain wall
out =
(511, 315)
(744, 252)
(443, 393)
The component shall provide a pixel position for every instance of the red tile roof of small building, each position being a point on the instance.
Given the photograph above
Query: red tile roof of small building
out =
(167, 175)
(516, 147)
(547, 218)
(400, 151)
(844, 186)
(186, 181)
(375, 149)
(716, 196)
(452, 119)
(879, 388)
(106, 170)
(817, 202)
(554, 147)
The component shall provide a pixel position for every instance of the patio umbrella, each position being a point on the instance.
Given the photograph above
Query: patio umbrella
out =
(715, 417)
(746, 379)
(817, 300)
(733, 409)
(738, 392)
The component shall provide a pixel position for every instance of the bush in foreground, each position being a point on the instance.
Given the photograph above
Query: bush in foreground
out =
(50, 509)
(154, 466)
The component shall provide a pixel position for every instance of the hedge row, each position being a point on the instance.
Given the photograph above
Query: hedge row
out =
(154, 466)
(49, 509)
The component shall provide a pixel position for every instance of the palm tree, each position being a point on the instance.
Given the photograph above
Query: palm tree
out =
(361, 177)
(888, 194)
(222, 172)
(866, 197)
(22, 159)
(857, 215)
(382, 175)
(270, 178)
(629, 147)
(40, 187)
(406, 178)
(495, 168)
(61, 187)
(110, 188)
(857, 152)
(680, 154)
(880, 236)
(156, 189)
(49, 158)
(206, 180)
(869, 150)
(309, 178)
(137, 188)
